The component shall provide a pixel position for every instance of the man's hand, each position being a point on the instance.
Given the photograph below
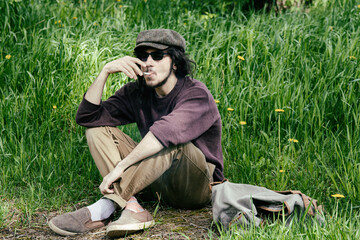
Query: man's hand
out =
(147, 147)
(126, 65)
(106, 185)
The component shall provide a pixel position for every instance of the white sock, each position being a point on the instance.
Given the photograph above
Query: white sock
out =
(102, 209)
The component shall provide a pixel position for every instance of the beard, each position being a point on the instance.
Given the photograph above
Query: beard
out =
(162, 83)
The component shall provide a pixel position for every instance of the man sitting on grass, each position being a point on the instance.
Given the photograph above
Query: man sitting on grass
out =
(180, 152)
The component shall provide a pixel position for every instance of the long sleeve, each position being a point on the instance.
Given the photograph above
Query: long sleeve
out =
(115, 111)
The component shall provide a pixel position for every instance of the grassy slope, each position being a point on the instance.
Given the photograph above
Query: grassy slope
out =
(304, 63)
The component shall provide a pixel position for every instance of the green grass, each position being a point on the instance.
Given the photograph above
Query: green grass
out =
(305, 62)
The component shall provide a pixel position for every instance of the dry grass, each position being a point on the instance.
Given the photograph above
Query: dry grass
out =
(170, 224)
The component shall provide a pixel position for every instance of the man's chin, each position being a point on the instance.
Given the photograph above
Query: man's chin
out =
(150, 84)
(156, 85)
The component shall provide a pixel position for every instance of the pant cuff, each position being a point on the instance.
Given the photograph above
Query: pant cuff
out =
(117, 199)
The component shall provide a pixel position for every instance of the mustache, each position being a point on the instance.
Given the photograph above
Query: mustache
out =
(147, 71)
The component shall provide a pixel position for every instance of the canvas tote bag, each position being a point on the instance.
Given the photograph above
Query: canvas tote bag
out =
(245, 204)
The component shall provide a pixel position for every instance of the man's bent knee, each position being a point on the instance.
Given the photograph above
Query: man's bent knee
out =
(94, 133)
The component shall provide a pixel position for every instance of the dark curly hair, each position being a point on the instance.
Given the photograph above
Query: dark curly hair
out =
(184, 66)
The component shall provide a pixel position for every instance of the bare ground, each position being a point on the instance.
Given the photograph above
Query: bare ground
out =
(170, 224)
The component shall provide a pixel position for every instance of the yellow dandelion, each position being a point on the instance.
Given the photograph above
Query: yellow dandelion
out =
(282, 171)
(230, 109)
(118, 0)
(84, 1)
(56, 22)
(145, 1)
(59, 21)
(120, 6)
(293, 140)
(96, 24)
(331, 28)
(279, 110)
(352, 58)
(338, 195)
(242, 123)
(241, 58)
(54, 107)
(74, 18)
(217, 101)
(8, 56)
(358, 6)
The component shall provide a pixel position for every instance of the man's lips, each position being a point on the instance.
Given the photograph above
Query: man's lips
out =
(147, 73)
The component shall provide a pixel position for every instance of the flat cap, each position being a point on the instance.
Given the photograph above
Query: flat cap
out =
(160, 39)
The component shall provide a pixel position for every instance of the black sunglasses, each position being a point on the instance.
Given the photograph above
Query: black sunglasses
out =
(157, 55)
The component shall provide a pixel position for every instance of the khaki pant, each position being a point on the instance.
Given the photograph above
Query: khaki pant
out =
(180, 174)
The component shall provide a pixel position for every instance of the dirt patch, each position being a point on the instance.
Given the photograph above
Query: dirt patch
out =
(170, 224)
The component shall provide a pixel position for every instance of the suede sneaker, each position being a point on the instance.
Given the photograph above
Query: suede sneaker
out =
(75, 222)
(130, 222)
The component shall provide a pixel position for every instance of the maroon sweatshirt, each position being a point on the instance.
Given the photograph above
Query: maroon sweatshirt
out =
(187, 114)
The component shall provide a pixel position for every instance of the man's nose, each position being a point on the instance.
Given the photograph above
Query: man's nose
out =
(149, 60)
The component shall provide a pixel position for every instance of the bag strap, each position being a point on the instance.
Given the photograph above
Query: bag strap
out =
(216, 183)
(307, 201)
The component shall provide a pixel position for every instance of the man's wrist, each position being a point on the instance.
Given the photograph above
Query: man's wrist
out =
(105, 71)
(120, 166)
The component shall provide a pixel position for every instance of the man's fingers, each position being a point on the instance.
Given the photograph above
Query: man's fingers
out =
(106, 190)
(129, 71)
(139, 62)
(130, 67)
(136, 68)
(136, 64)
(109, 189)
